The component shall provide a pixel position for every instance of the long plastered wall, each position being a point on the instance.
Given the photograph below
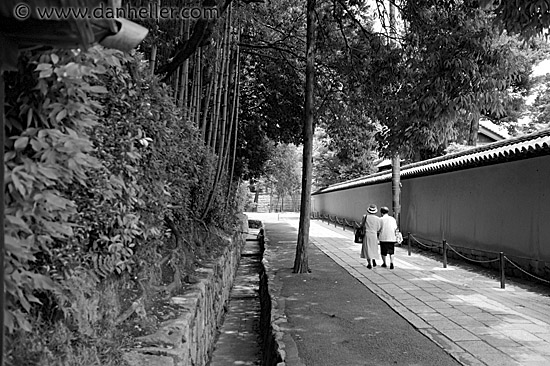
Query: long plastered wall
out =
(502, 207)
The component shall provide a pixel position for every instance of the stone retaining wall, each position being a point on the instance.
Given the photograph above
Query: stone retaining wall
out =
(188, 340)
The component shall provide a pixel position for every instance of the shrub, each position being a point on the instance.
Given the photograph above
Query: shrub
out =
(103, 180)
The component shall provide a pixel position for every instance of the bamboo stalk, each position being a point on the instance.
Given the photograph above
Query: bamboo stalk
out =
(224, 115)
(219, 93)
(178, 90)
(184, 85)
(223, 121)
(235, 115)
(214, 84)
(153, 60)
(197, 116)
(191, 114)
(207, 97)
(216, 110)
(234, 76)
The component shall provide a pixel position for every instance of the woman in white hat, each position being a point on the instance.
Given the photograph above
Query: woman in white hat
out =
(371, 227)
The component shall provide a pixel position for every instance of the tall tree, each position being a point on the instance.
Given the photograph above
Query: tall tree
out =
(301, 262)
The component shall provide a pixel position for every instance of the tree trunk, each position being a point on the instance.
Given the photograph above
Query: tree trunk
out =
(474, 128)
(301, 263)
(396, 186)
(270, 198)
(396, 160)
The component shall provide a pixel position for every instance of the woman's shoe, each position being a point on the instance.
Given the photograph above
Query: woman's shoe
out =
(369, 266)
(391, 265)
(373, 263)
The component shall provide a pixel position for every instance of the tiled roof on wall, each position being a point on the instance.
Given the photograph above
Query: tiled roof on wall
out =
(517, 148)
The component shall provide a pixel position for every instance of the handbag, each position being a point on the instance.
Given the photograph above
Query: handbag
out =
(359, 235)
(398, 237)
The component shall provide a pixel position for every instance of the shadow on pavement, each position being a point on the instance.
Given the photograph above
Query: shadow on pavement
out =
(333, 318)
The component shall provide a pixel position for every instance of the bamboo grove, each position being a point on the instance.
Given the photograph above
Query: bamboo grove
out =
(206, 84)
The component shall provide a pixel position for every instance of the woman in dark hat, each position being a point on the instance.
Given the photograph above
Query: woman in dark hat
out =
(371, 227)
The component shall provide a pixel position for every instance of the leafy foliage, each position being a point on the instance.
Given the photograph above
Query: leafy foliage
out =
(337, 164)
(446, 70)
(283, 170)
(525, 17)
(271, 101)
(540, 109)
(102, 173)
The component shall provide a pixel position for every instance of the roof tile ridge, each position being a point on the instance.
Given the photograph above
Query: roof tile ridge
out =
(482, 148)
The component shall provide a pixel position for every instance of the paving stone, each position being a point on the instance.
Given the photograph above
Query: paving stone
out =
(466, 358)
(520, 335)
(499, 340)
(460, 335)
(444, 324)
(498, 358)
(477, 347)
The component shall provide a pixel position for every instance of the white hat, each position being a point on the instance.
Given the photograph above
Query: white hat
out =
(372, 209)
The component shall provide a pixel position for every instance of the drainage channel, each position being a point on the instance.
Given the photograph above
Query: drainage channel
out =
(239, 341)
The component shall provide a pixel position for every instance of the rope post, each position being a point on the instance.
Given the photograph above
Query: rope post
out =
(444, 253)
(502, 270)
(409, 242)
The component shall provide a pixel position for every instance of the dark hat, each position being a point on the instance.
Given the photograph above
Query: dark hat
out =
(372, 209)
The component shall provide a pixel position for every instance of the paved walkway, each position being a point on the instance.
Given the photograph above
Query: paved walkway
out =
(460, 309)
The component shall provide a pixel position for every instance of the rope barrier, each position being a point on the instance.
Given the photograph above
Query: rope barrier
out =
(433, 241)
(424, 245)
(524, 271)
(470, 259)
